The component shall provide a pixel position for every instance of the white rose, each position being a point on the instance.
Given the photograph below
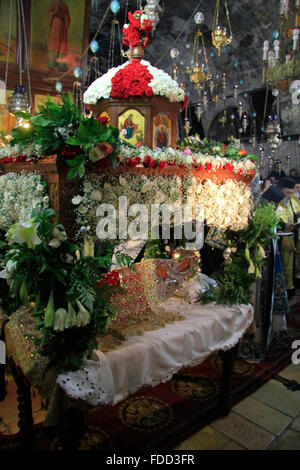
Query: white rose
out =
(96, 195)
(95, 154)
(76, 200)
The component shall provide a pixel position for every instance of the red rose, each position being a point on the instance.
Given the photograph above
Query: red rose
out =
(132, 80)
(239, 171)
(135, 161)
(181, 165)
(252, 172)
(161, 164)
(242, 152)
(103, 119)
(228, 166)
(209, 166)
(200, 167)
(147, 160)
(152, 163)
(105, 147)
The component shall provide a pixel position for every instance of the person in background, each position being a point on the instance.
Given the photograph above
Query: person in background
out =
(269, 300)
(293, 172)
(288, 211)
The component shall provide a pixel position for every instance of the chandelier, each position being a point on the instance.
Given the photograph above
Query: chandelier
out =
(198, 71)
(153, 10)
(219, 33)
(281, 63)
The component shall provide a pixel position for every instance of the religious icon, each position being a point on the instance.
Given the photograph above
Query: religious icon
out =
(131, 125)
(58, 18)
(57, 33)
(129, 128)
(161, 131)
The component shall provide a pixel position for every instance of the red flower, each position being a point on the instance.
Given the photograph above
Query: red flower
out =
(147, 160)
(103, 119)
(184, 103)
(200, 167)
(135, 161)
(242, 152)
(181, 165)
(112, 278)
(239, 171)
(161, 164)
(102, 164)
(152, 163)
(228, 166)
(132, 80)
(105, 147)
(252, 172)
(209, 166)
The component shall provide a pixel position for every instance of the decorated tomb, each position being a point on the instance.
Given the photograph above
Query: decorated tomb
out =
(142, 101)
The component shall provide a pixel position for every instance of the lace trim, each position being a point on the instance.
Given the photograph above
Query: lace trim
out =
(90, 390)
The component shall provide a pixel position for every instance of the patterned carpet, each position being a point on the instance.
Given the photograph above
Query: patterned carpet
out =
(158, 418)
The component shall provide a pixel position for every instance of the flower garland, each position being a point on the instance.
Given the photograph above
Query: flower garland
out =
(20, 153)
(226, 205)
(137, 32)
(161, 83)
(148, 158)
(20, 193)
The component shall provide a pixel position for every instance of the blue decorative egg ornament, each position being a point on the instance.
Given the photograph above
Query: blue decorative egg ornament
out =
(58, 87)
(77, 72)
(94, 46)
(115, 6)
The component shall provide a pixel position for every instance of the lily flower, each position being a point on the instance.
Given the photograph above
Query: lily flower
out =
(83, 316)
(24, 232)
(60, 319)
(49, 315)
(71, 319)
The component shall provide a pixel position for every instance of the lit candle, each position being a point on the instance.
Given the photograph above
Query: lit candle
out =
(276, 48)
(295, 38)
(265, 50)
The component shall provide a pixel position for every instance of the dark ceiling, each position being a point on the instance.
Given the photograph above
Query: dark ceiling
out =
(252, 21)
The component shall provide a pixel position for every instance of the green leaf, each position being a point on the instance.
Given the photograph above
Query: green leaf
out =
(72, 173)
(81, 170)
(73, 141)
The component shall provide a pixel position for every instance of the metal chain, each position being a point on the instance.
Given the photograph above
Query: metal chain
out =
(26, 53)
(179, 35)
(8, 43)
(20, 45)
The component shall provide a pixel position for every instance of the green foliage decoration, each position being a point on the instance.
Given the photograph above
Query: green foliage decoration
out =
(60, 288)
(237, 275)
(62, 129)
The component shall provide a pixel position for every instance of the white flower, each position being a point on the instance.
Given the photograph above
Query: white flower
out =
(46, 199)
(96, 195)
(122, 181)
(95, 154)
(147, 187)
(54, 243)
(76, 200)
(60, 235)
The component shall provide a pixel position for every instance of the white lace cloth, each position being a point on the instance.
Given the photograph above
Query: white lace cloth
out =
(154, 357)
